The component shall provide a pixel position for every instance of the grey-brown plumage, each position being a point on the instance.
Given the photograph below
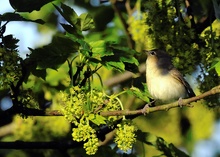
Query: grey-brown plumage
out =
(164, 81)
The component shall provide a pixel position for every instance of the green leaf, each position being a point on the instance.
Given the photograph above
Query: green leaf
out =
(72, 30)
(216, 65)
(87, 22)
(68, 14)
(99, 49)
(55, 53)
(143, 95)
(17, 17)
(117, 57)
(28, 5)
(116, 65)
(97, 119)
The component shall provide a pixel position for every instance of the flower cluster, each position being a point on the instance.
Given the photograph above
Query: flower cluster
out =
(84, 132)
(125, 136)
(81, 107)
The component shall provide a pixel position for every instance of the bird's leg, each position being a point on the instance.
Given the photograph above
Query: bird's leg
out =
(146, 107)
(180, 102)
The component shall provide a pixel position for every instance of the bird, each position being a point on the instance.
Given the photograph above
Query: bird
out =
(164, 81)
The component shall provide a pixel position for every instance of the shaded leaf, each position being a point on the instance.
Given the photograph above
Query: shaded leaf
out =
(120, 56)
(28, 5)
(17, 17)
(72, 30)
(68, 14)
(55, 53)
(10, 42)
(169, 149)
(39, 73)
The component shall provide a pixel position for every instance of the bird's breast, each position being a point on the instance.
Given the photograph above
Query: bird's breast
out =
(163, 86)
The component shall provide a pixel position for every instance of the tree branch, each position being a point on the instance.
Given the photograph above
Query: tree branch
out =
(165, 107)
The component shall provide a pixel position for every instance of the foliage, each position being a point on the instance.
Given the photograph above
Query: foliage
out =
(63, 75)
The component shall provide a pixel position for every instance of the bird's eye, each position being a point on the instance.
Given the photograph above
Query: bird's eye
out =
(153, 53)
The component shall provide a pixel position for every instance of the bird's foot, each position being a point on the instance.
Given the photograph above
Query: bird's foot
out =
(146, 107)
(180, 102)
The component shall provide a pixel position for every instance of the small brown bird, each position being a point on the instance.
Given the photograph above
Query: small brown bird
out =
(164, 81)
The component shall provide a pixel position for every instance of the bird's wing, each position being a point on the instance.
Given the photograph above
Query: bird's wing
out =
(178, 76)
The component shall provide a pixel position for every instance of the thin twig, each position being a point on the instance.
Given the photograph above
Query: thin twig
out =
(125, 25)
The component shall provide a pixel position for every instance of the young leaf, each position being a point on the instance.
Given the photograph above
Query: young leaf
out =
(97, 119)
(143, 95)
(87, 22)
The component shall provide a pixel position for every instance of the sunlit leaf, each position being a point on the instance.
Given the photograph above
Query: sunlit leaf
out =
(99, 49)
(216, 65)
(87, 22)
(143, 95)
(97, 119)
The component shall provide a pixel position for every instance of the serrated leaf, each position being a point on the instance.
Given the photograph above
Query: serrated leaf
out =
(121, 55)
(97, 119)
(68, 14)
(28, 5)
(55, 53)
(116, 65)
(87, 22)
(99, 49)
(72, 30)
(17, 17)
